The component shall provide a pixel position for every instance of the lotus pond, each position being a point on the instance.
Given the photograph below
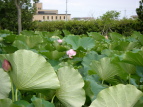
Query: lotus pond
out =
(60, 69)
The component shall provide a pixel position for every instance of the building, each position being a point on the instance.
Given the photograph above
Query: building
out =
(134, 16)
(48, 15)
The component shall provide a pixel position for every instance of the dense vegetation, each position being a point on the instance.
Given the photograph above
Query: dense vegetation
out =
(60, 69)
(96, 63)
(123, 26)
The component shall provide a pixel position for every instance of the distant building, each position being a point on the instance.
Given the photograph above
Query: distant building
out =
(134, 16)
(83, 18)
(48, 15)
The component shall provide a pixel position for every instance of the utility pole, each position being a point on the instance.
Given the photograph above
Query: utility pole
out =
(125, 13)
(66, 11)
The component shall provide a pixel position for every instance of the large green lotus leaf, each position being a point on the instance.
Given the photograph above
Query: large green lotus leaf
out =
(109, 52)
(139, 103)
(90, 57)
(30, 41)
(117, 96)
(9, 49)
(53, 54)
(6, 102)
(71, 92)
(55, 33)
(105, 68)
(92, 87)
(123, 45)
(96, 36)
(115, 36)
(129, 68)
(38, 102)
(139, 35)
(66, 32)
(49, 47)
(10, 38)
(131, 38)
(31, 71)
(87, 43)
(135, 34)
(20, 44)
(5, 84)
(135, 58)
(74, 41)
(27, 33)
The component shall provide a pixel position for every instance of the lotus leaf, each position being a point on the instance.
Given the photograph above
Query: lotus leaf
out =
(105, 68)
(4, 84)
(71, 92)
(31, 71)
(117, 96)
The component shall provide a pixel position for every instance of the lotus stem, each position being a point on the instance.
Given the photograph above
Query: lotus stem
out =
(129, 78)
(40, 96)
(102, 82)
(16, 94)
(53, 99)
(12, 90)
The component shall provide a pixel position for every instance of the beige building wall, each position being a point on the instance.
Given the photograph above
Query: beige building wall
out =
(48, 15)
(38, 6)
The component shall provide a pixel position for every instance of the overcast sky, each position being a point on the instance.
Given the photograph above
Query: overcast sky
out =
(95, 8)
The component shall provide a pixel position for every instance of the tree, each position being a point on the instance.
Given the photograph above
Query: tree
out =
(139, 11)
(13, 17)
(19, 4)
(7, 15)
(108, 21)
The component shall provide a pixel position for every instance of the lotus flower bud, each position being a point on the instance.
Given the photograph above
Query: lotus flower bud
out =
(6, 65)
(71, 53)
(106, 37)
(59, 40)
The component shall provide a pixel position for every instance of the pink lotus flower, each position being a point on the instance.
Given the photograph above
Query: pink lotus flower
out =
(6, 65)
(71, 53)
(59, 40)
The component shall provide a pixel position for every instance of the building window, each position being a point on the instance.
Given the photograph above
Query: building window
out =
(56, 17)
(64, 17)
(43, 17)
(51, 17)
(47, 17)
(39, 8)
(60, 17)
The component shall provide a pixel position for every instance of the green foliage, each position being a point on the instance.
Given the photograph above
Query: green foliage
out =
(117, 96)
(8, 16)
(139, 10)
(108, 20)
(5, 84)
(68, 94)
(37, 69)
(76, 42)
(103, 68)
(123, 26)
(43, 75)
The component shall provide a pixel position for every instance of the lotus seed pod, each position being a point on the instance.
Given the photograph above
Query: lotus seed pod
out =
(6, 65)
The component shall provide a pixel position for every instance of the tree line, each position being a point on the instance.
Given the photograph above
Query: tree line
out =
(16, 15)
